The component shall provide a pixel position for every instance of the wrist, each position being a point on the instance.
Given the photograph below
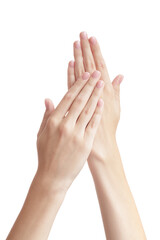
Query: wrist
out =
(46, 187)
(109, 160)
(104, 151)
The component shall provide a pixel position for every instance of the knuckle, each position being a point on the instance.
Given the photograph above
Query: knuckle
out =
(96, 93)
(93, 123)
(38, 134)
(87, 111)
(64, 129)
(95, 120)
(90, 65)
(77, 139)
(109, 89)
(68, 96)
(79, 100)
(79, 72)
(52, 122)
(86, 146)
(79, 59)
(100, 64)
(91, 83)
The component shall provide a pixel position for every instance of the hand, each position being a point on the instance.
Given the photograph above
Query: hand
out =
(118, 209)
(88, 57)
(66, 135)
(64, 142)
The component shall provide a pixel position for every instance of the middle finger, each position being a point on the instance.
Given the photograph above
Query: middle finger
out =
(88, 59)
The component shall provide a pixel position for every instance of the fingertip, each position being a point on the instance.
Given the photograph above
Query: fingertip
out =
(77, 44)
(48, 104)
(100, 84)
(83, 35)
(96, 74)
(86, 76)
(120, 79)
(93, 40)
(100, 103)
(71, 64)
(117, 81)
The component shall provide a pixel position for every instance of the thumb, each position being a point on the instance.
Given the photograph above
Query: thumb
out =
(49, 109)
(116, 83)
(49, 105)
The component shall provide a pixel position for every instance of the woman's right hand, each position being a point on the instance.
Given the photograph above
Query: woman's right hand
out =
(66, 136)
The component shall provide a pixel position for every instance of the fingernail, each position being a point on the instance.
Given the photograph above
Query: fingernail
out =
(93, 40)
(99, 84)
(46, 103)
(96, 74)
(85, 76)
(100, 102)
(71, 63)
(77, 44)
(120, 79)
(83, 35)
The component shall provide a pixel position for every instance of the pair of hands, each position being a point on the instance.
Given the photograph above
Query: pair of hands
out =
(80, 126)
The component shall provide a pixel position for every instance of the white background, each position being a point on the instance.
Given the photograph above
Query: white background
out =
(36, 40)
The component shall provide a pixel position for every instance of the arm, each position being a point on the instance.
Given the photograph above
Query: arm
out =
(119, 213)
(64, 142)
(38, 212)
(120, 217)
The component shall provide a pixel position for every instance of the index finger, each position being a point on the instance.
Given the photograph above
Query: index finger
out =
(98, 59)
(69, 97)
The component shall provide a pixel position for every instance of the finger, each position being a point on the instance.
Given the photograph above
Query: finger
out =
(116, 84)
(92, 126)
(69, 97)
(79, 68)
(98, 59)
(90, 107)
(71, 76)
(82, 98)
(88, 59)
(49, 109)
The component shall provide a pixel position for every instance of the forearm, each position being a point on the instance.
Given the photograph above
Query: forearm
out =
(38, 212)
(118, 209)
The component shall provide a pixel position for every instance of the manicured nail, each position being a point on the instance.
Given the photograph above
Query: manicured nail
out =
(46, 103)
(71, 63)
(86, 76)
(96, 74)
(100, 102)
(120, 79)
(99, 84)
(83, 35)
(77, 44)
(93, 40)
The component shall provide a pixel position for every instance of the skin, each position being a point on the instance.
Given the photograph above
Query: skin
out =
(120, 216)
(119, 213)
(64, 142)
